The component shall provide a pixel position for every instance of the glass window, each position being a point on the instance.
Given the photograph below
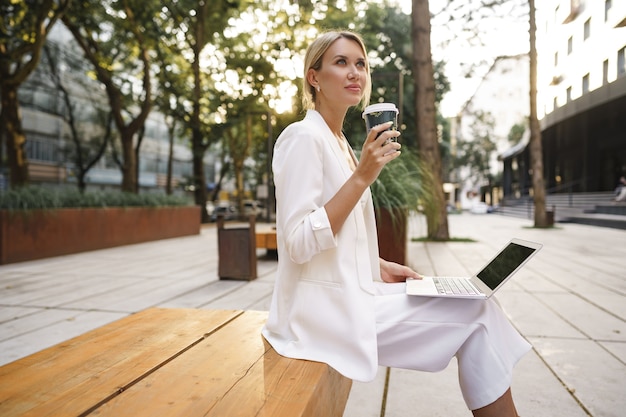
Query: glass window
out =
(605, 72)
(587, 29)
(621, 62)
(568, 94)
(586, 83)
(556, 13)
(41, 147)
(570, 45)
(607, 7)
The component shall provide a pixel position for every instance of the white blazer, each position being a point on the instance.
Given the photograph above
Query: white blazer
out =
(323, 303)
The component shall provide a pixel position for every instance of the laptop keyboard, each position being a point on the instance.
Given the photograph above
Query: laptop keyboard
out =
(447, 285)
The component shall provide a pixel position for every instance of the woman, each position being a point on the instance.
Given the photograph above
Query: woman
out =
(335, 300)
(620, 190)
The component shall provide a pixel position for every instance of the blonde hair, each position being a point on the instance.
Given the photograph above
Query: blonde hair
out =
(313, 60)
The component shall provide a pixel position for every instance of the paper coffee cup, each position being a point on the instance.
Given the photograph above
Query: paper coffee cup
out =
(380, 113)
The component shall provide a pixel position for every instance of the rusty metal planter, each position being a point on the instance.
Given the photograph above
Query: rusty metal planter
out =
(392, 225)
(35, 234)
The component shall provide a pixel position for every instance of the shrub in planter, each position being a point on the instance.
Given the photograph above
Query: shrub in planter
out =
(37, 223)
(33, 198)
(400, 188)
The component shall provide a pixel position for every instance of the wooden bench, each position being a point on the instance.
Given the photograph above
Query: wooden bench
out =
(266, 239)
(171, 362)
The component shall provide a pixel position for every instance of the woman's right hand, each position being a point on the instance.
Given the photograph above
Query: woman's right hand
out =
(377, 151)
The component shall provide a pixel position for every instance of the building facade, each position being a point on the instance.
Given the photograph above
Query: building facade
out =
(581, 99)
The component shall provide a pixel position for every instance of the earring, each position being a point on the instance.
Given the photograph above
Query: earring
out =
(318, 89)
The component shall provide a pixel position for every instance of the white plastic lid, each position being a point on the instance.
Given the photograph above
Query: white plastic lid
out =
(379, 107)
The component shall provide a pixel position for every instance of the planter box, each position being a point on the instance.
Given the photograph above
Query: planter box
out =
(392, 235)
(35, 234)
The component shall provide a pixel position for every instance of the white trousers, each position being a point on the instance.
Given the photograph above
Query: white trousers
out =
(424, 334)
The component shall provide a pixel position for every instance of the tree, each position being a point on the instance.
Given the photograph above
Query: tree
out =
(475, 154)
(193, 27)
(253, 48)
(172, 125)
(425, 110)
(387, 36)
(516, 133)
(24, 27)
(118, 38)
(171, 101)
(238, 143)
(247, 112)
(469, 23)
(536, 152)
(88, 147)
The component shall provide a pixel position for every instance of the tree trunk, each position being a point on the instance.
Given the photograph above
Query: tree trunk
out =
(15, 139)
(126, 128)
(129, 165)
(200, 191)
(197, 144)
(536, 152)
(170, 158)
(426, 118)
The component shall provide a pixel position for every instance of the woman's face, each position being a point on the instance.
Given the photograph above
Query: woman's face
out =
(343, 74)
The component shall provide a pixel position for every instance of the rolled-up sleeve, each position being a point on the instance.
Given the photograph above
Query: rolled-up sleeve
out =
(298, 167)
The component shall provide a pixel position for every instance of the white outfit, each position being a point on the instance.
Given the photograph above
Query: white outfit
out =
(621, 194)
(329, 304)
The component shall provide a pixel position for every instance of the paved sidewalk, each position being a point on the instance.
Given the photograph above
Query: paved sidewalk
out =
(569, 302)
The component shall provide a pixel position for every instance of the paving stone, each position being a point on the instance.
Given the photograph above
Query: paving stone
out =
(596, 378)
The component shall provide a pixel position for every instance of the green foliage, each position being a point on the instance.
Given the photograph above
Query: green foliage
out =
(475, 152)
(120, 40)
(34, 198)
(516, 133)
(24, 26)
(402, 184)
(246, 39)
(386, 31)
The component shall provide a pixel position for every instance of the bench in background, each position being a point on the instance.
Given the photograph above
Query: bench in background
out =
(266, 239)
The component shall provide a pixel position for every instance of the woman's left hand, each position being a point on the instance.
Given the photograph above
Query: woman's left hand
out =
(394, 272)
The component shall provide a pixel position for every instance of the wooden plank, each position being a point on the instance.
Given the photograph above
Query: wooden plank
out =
(73, 376)
(296, 388)
(234, 372)
(270, 241)
(266, 240)
(260, 240)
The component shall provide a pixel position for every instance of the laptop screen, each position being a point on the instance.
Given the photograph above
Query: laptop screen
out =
(507, 261)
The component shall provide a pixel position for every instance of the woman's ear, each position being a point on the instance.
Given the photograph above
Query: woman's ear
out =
(311, 77)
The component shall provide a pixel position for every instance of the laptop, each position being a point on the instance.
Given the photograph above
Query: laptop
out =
(483, 284)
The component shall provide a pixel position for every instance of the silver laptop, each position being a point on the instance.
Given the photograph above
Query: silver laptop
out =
(486, 282)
